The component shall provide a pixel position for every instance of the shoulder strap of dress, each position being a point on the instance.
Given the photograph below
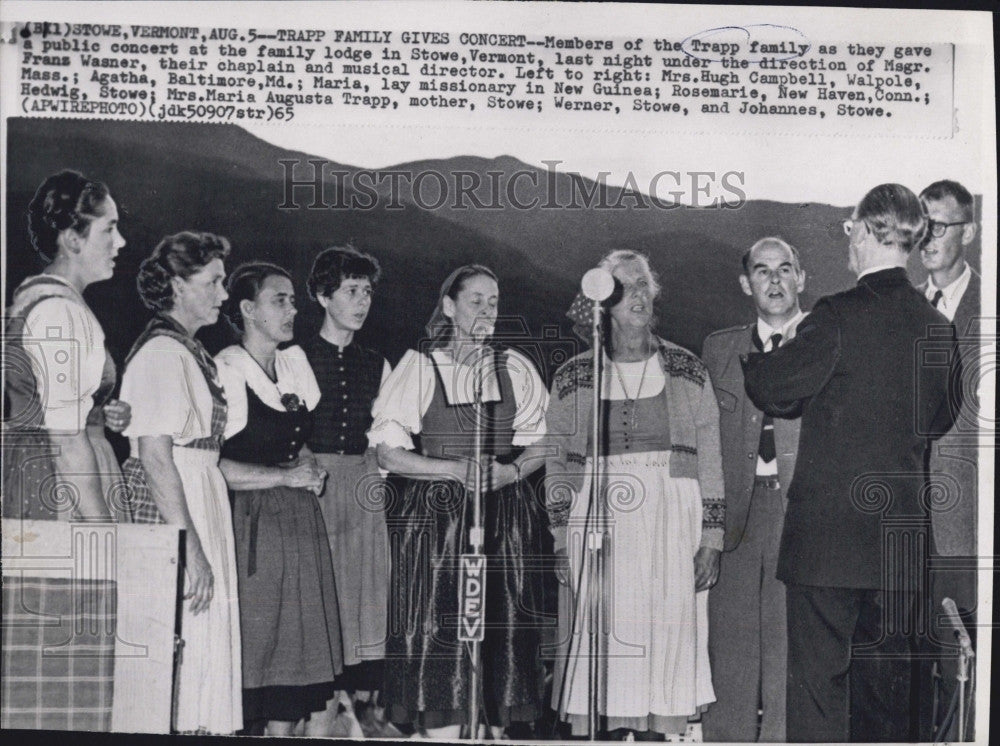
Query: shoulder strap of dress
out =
(162, 325)
(33, 291)
(438, 377)
(38, 280)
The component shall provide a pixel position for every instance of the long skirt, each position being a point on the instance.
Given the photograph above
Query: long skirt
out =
(353, 506)
(209, 678)
(30, 481)
(33, 489)
(427, 668)
(655, 663)
(112, 482)
(288, 604)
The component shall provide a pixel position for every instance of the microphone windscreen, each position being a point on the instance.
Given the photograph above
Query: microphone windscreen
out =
(598, 284)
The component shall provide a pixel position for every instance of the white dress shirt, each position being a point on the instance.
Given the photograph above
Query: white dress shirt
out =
(951, 295)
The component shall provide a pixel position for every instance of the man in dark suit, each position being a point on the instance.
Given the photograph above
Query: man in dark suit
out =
(869, 368)
(953, 287)
(746, 610)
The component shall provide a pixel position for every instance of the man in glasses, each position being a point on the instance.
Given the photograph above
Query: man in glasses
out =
(953, 287)
(868, 404)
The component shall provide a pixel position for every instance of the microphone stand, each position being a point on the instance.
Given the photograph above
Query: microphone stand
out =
(965, 656)
(595, 538)
(962, 677)
(473, 564)
(597, 285)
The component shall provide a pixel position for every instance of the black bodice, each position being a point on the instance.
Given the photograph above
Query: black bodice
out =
(270, 436)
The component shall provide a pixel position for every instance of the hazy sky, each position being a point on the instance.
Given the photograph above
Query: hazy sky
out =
(787, 167)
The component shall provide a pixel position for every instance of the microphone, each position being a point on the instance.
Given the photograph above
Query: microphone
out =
(598, 284)
(951, 611)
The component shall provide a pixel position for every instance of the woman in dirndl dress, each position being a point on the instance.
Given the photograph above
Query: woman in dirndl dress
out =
(58, 386)
(665, 501)
(430, 395)
(176, 432)
(288, 598)
(342, 280)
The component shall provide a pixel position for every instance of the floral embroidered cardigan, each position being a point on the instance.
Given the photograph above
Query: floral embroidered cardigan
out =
(695, 450)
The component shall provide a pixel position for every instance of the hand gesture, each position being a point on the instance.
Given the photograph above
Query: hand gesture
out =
(201, 582)
(117, 415)
(306, 474)
(502, 474)
(706, 568)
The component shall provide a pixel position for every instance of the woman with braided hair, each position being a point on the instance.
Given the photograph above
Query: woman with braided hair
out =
(58, 375)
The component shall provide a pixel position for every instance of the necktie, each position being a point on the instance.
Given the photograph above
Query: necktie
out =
(766, 448)
(937, 298)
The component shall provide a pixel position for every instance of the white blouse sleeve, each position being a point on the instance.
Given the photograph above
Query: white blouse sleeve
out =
(531, 398)
(402, 401)
(235, 385)
(66, 346)
(167, 392)
(295, 376)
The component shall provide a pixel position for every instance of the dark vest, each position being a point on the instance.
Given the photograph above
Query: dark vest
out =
(448, 430)
(349, 379)
(270, 436)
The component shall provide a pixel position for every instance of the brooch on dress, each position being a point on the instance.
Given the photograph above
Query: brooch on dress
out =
(291, 402)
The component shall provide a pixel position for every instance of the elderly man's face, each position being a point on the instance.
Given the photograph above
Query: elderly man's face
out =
(944, 252)
(775, 281)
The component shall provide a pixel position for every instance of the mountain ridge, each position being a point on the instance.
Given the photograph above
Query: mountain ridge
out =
(168, 177)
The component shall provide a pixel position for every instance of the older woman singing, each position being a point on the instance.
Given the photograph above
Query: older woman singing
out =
(664, 495)
(178, 421)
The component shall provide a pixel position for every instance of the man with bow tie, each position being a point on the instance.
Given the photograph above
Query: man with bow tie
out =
(869, 370)
(746, 610)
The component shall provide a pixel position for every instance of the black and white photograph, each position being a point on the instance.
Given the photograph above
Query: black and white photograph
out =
(498, 371)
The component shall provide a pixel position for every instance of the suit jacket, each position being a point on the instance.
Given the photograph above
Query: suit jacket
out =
(956, 455)
(741, 424)
(968, 307)
(869, 368)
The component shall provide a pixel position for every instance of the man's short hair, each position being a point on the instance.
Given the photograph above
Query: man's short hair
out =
(771, 240)
(894, 215)
(945, 188)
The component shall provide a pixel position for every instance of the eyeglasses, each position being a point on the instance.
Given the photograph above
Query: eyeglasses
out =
(937, 229)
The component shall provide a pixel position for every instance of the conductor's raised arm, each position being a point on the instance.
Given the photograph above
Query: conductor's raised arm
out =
(781, 381)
